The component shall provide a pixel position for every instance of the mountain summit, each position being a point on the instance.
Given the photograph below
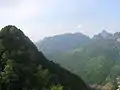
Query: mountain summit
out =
(103, 35)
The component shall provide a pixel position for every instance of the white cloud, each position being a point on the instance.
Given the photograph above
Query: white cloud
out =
(79, 26)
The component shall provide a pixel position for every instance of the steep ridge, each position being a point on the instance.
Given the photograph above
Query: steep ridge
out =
(20, 61)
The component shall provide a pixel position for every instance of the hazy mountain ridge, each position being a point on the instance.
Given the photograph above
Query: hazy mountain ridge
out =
(63, 42)
(98, 58)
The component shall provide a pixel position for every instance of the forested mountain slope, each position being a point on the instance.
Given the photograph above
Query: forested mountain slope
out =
(23, 67)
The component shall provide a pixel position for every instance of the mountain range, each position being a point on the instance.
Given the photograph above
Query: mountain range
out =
(96, 59)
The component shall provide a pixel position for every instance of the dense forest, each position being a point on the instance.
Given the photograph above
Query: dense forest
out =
(96, 59)
(23, 67)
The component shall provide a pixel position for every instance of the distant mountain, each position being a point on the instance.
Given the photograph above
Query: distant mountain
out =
(98, 57)
(104, 35)
(62, 43)
(117, 36)
(23, 67)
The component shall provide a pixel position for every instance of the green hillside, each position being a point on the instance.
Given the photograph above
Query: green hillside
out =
(23, 67)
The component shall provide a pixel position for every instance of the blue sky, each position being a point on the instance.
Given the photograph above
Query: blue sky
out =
(41, 18)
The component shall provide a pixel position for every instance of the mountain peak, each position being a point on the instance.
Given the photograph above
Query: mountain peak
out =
(104, 35)
(104, 31)
(11, 29)
(9, 26)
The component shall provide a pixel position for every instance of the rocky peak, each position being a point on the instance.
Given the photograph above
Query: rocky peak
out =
(104, 35)
(117, 36)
